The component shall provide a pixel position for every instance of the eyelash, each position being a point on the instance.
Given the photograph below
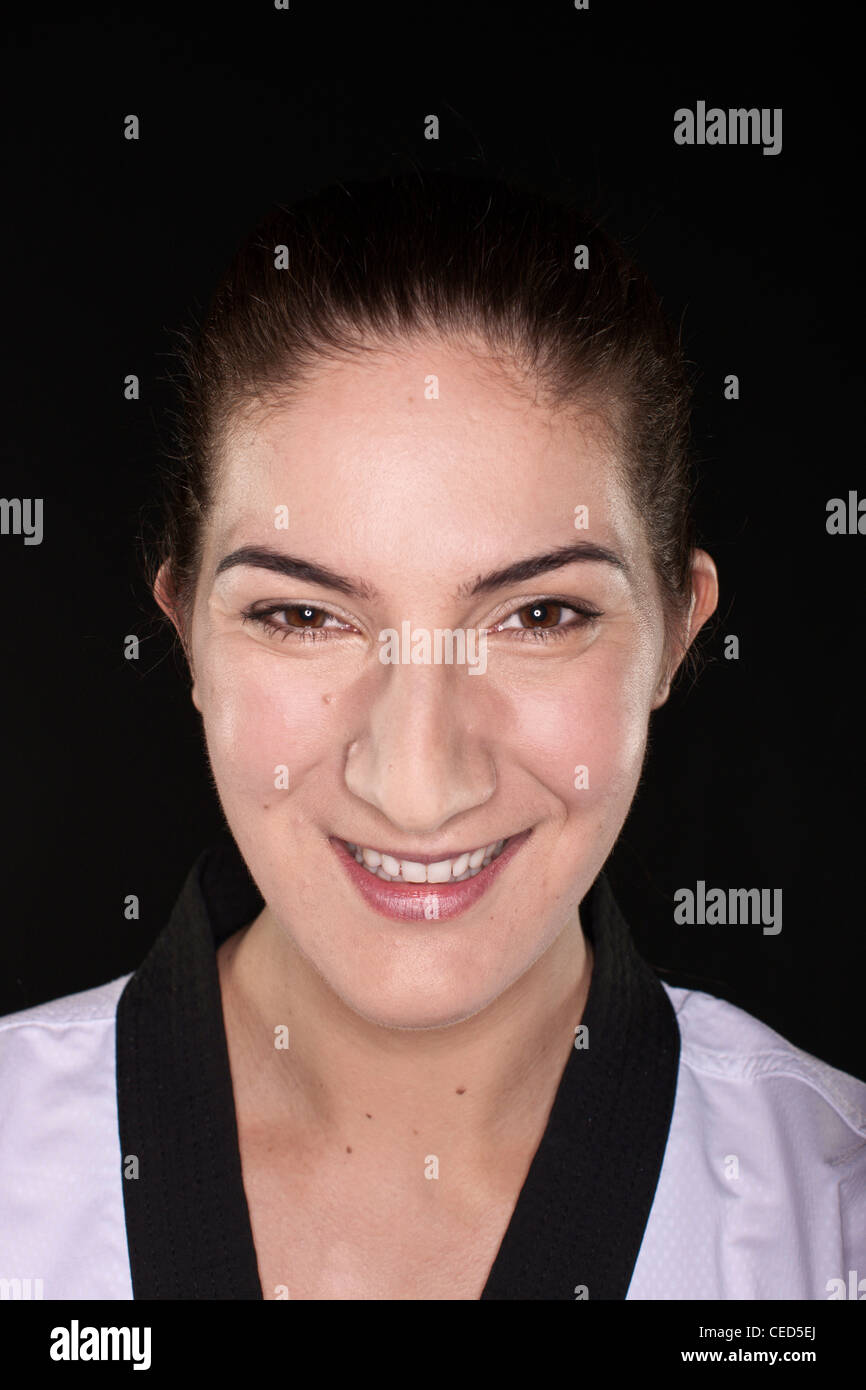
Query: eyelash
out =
(280, 631)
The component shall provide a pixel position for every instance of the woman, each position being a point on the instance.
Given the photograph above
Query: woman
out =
(430, 557)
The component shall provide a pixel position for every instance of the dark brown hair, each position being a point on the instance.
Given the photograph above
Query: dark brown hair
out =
(369, 265)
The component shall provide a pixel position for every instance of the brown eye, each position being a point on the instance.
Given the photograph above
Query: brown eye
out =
(296, 622)
(542, 620)
(541, 615)
(310, 617)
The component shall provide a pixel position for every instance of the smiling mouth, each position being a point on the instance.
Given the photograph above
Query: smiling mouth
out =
(455, 870)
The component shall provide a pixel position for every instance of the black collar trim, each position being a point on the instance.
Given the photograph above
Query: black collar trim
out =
(581, 1214)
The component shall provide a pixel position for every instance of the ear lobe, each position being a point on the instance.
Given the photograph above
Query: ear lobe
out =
(662, 694)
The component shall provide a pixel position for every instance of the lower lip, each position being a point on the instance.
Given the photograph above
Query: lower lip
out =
(425, 902)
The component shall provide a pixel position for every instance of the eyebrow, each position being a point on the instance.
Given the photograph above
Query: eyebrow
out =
(293, 567)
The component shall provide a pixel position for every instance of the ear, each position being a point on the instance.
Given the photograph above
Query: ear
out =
(164, 593)
(705, 598)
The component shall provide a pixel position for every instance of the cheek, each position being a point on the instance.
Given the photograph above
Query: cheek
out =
(263, 727)
(584, 733)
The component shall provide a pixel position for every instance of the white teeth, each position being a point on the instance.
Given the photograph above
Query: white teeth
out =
(412, 872)
(464, 866)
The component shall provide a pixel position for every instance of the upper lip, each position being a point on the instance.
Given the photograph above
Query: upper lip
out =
(419, 858)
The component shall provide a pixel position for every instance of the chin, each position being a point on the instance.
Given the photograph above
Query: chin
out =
(409, 1019)
(415, 1008)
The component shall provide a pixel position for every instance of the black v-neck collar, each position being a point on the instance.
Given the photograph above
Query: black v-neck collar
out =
(580, 1218)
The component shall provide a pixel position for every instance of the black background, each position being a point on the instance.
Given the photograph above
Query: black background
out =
(756, 771)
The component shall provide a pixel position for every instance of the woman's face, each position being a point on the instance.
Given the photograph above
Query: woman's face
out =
(416, 505)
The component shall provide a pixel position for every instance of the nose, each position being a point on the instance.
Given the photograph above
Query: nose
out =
(419, 759)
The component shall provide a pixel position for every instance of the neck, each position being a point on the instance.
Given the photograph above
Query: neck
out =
(477, 1090)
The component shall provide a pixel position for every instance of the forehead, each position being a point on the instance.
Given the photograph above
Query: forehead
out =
(420, 456)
